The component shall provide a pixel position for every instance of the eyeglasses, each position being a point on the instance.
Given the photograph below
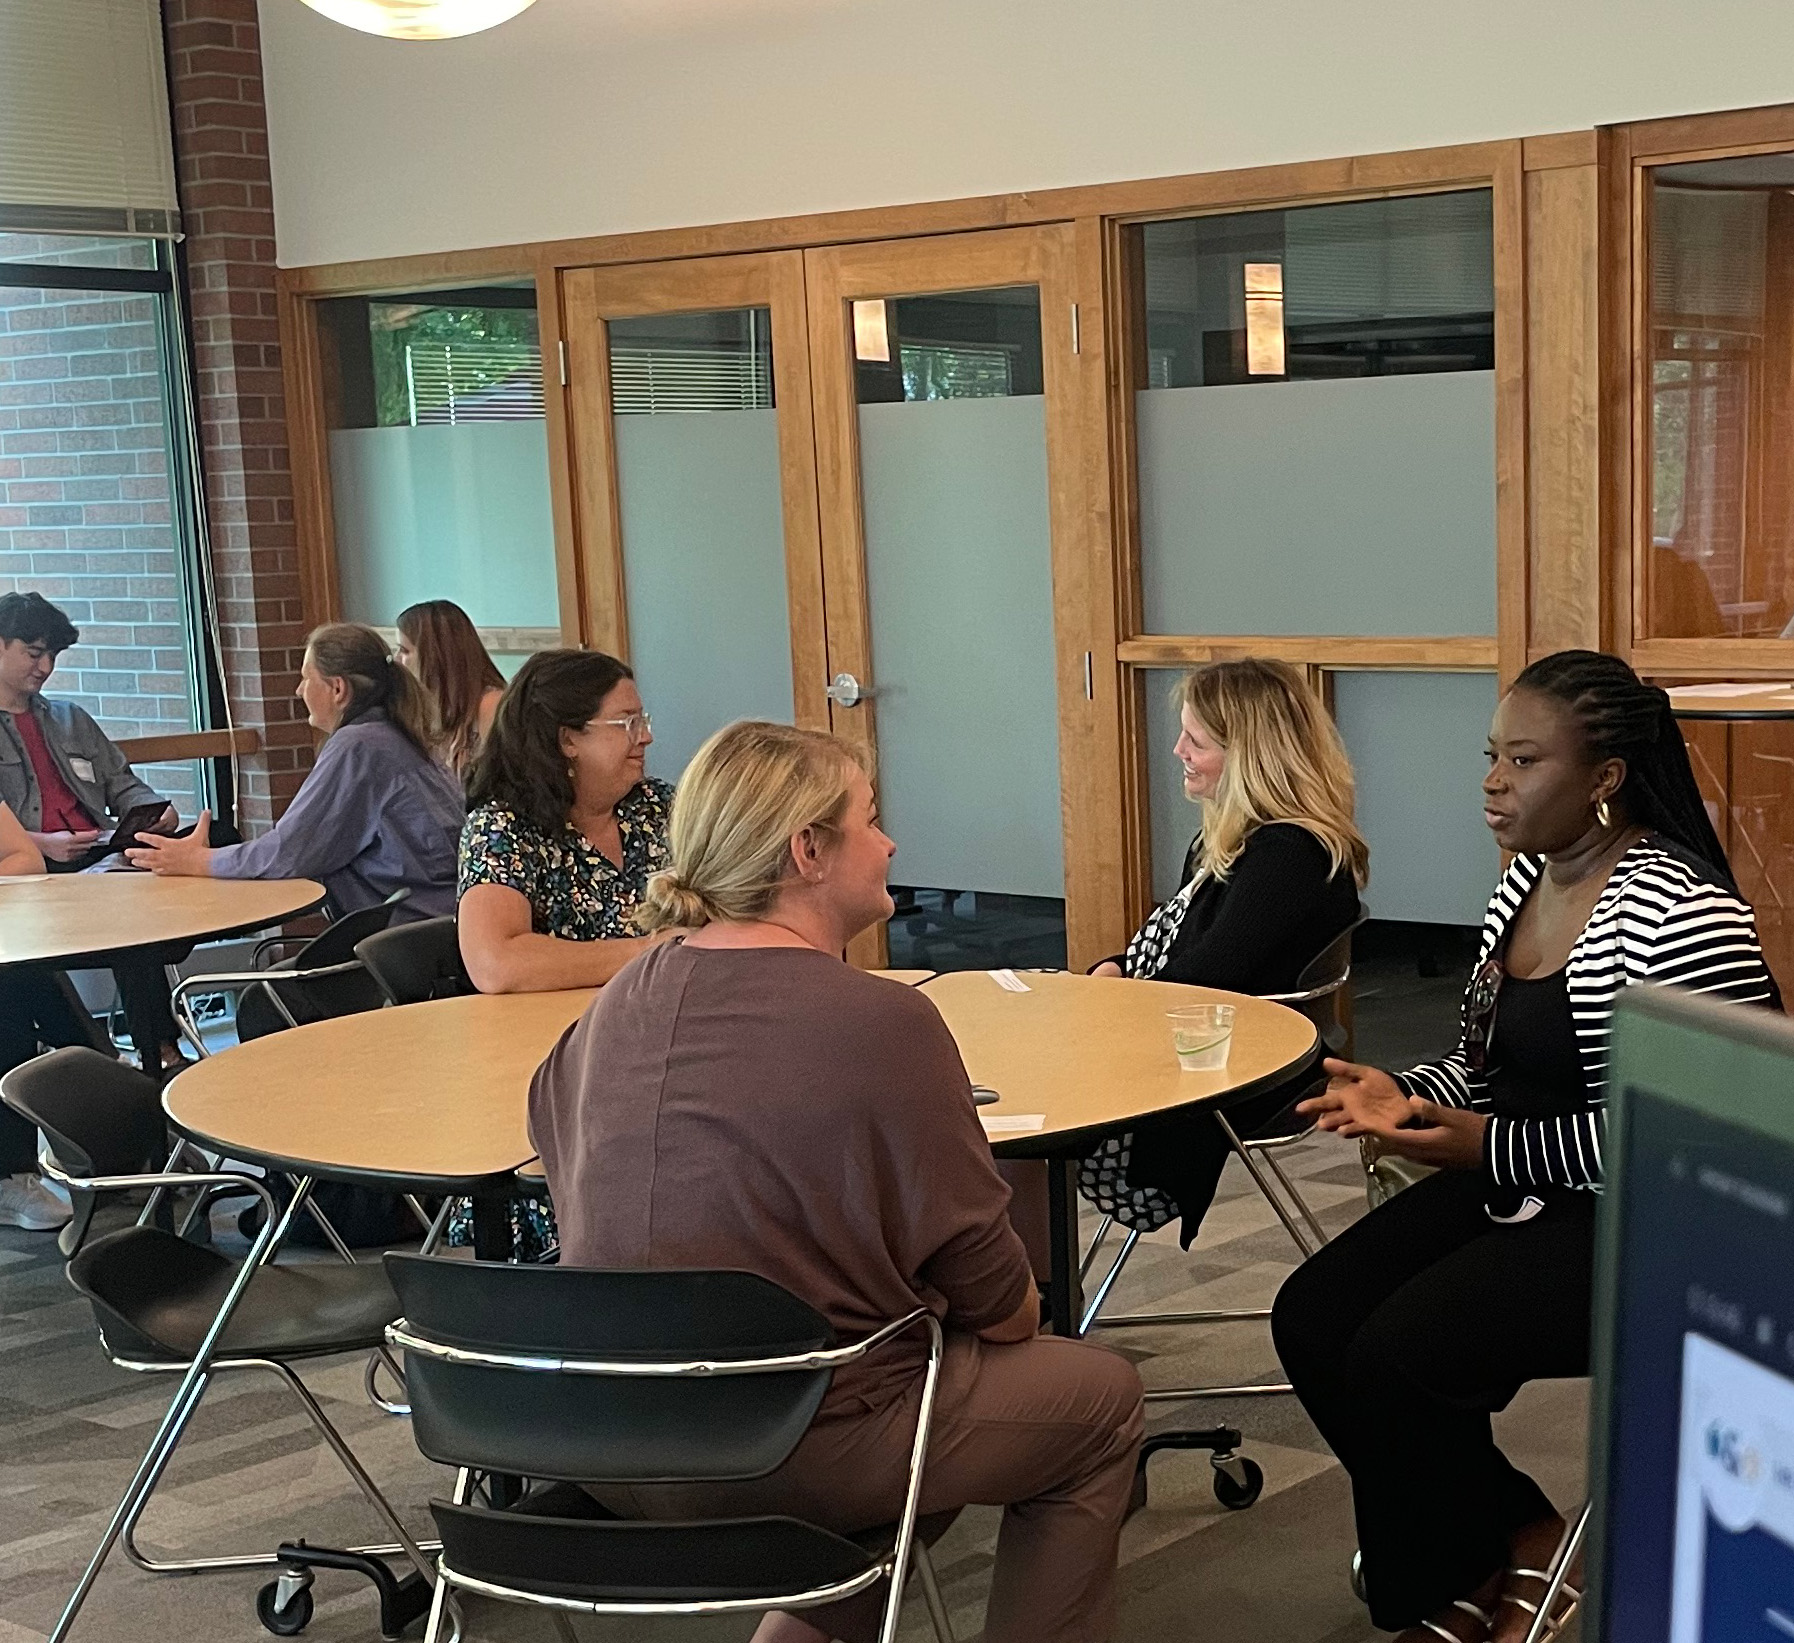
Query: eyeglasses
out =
(1479, 1013)
(638, 727)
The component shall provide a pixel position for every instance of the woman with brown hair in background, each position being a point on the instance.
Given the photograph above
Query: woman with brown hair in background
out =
(440, 645)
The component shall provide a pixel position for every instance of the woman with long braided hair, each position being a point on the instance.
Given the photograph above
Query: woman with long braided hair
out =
(1404, 1334)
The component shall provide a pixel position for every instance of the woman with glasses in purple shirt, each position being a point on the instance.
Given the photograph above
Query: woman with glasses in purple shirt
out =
(1405, 1333)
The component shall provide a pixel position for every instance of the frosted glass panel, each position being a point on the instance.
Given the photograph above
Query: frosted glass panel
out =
(1360, 506)
(1416, 742)
(704, 567)
(959, 577)
(1174, 819)
(455, 511)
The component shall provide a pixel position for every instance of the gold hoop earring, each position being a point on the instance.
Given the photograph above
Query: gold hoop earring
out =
(1602, 814)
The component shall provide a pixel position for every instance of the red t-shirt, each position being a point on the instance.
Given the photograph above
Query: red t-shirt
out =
(63, 811)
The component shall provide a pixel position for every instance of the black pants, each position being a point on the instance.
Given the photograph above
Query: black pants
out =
(1401, 1337)
(143, 990)
(33, 1012)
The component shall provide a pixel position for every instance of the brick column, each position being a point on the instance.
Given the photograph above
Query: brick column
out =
(227, 210)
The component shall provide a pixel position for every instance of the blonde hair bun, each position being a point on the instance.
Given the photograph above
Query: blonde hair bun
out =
(672, 905)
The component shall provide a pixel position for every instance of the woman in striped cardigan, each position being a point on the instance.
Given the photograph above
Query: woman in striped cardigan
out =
(1406, 1332)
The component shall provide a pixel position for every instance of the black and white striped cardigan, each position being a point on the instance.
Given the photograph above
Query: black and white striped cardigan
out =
(1663, 918)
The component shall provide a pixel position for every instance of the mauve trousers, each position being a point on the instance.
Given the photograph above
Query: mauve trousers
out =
(1401, 1337)
(1049, 1429)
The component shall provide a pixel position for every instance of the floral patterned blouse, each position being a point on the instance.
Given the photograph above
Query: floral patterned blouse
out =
(574, 890)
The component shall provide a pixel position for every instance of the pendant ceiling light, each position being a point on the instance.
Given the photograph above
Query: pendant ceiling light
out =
(420, 19)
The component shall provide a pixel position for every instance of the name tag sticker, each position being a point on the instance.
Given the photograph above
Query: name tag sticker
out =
(82, 768)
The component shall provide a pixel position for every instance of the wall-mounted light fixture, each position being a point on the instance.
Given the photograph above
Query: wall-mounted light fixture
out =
(871, 331)
(1264, 319)
(420, 19)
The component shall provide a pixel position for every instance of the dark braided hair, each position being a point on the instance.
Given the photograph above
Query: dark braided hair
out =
(1621, 717)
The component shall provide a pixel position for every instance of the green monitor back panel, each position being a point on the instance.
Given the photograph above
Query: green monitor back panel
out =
(1692, 1441)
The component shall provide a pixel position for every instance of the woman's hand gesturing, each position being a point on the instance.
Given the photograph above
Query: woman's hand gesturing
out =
(1367, 1101)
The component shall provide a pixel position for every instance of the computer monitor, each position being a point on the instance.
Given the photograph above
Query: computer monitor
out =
(1692, 1446)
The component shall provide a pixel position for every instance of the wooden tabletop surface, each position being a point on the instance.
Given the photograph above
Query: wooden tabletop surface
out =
(1751, 699)
(1091, 1052)
(61, 918)
(438, 1091)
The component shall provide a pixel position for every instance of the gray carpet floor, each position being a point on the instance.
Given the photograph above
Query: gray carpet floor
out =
(251, 1473)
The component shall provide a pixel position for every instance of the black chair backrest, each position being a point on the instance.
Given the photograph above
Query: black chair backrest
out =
(101, 1116)
(416, 962)
(579, 1428)
(328, 996)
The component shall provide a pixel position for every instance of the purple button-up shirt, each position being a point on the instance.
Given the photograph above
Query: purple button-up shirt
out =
(374, 816)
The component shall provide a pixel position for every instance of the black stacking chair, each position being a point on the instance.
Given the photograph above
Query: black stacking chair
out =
(107, 1121)
(564, 1375)
(413, 963)
(167, 1306)
(323, 979)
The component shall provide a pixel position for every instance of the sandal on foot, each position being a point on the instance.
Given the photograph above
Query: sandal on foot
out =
(1481, 1616)
(1566, 1602)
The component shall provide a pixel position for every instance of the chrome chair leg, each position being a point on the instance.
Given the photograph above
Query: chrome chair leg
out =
(931, 1594)
(1263, 1182)
(1544, 1628)
(370, 1382)
(443, 1608)
(1295, 1197)
(1108, 1283)
(402, 1547)
(563, 1626)
(1096, 1243)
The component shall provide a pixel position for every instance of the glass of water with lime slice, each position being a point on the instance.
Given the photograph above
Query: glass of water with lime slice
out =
(1202, 1034)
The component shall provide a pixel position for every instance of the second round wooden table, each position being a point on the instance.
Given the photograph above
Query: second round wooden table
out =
(437, 1093)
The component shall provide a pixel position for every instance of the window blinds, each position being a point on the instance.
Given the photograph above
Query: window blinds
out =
(85, 144)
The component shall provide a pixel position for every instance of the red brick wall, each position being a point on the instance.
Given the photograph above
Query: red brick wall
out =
(221, 149)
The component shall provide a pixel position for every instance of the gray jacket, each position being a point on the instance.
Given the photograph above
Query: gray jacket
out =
(90, 762)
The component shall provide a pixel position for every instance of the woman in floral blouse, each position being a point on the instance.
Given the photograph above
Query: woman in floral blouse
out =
(563, 829)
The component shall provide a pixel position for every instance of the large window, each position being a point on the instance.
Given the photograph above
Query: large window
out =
(439, 461)
(97, 502)
(1720, 561)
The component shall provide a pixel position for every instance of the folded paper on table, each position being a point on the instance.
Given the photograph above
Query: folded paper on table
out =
(1012, 1123)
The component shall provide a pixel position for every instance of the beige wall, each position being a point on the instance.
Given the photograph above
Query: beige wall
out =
(602, 116)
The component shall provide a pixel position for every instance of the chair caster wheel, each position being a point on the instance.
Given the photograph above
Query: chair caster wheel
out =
(1238, 1482)
(284, 1606)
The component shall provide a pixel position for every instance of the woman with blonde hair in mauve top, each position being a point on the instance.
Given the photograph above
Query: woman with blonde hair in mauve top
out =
(738, 1096)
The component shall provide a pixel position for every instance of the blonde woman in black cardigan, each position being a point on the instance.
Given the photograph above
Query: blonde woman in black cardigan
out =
(1405, 1333)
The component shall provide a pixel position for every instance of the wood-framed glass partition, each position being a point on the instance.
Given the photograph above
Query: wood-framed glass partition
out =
(1166, 455)
(1323, 460)
(1701, 284)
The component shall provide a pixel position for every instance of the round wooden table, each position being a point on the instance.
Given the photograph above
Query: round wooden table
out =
(431, 1096)
(434, 1096)
(78, 920)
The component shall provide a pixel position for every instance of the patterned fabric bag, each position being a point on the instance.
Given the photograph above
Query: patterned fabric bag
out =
(1102, 1177)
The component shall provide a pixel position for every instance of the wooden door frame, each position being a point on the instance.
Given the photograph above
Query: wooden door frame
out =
(1083, 580)
(1636, 150)
(587, 299)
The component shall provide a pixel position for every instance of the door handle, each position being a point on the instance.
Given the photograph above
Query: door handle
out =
(846, 691)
